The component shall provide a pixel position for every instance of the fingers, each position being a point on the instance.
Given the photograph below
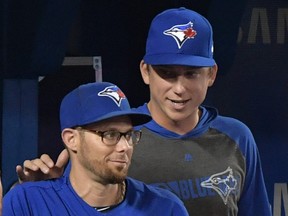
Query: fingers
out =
(42, 168)
(62, 159)
(20, 173)
(45, 159)
(25, 174)
(34, 169)
(44, 163)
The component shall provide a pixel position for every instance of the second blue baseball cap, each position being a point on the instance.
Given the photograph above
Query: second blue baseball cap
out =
(94, 102)
(180, 37)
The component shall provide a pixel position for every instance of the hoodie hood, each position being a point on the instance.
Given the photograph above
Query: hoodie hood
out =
(207, 117)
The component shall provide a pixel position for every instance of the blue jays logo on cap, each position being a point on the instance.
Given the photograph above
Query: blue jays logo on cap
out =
(192, 33)
(181, 33)
(114, 93)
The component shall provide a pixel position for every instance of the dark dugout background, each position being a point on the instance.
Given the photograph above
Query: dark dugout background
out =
(251, 50)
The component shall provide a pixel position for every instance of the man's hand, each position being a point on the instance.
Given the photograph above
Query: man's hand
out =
(42, 168)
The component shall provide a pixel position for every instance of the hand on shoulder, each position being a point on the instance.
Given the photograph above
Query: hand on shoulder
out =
(42, 168)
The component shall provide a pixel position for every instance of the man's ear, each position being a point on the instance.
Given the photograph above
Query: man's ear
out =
(144, 68)
(70, 138)
(213, 74)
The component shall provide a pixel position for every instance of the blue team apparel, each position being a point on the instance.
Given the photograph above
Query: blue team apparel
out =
(180, 36)
(215, 168)
(58, 198)
(94, 102)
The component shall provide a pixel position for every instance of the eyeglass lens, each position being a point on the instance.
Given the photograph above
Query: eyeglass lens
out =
(113, 137)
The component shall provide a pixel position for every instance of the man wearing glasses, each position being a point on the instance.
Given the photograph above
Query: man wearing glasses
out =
(97, 130)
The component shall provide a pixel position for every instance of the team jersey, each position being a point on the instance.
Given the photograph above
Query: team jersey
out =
(215, 168)
(57, 197)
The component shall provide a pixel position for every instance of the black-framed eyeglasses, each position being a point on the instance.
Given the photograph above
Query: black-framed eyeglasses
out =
(112, 137)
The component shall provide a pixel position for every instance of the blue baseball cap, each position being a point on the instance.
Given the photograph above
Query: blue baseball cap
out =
(180, 37)
(94, 102)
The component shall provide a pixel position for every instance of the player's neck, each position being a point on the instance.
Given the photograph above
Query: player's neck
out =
(176, 123)
(95, 193)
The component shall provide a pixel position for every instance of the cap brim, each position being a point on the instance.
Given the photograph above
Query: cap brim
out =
(137, 118)
(178, 59)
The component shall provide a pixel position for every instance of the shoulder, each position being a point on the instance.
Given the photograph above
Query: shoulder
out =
(34, 197)
(239, 132)
(228, 121)
(28, 186)
(32, 189)
(143, 109)
(21, 197)
(231, 126)
(153, 192)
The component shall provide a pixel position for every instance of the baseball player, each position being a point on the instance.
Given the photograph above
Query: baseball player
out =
(97, 131)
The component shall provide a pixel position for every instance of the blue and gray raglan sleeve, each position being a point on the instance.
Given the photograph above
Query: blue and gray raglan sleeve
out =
(254, 199)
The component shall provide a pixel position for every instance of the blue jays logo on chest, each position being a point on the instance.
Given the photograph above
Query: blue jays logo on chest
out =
(223, 183)
(181, 33)
(114, 93)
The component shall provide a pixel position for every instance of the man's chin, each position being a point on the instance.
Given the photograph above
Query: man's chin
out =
(118, 177)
